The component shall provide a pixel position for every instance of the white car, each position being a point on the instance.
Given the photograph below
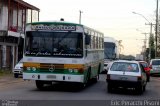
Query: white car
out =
(155, 66)
(126, 74)
(18, 69)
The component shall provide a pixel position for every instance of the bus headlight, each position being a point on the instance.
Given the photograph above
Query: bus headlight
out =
(29, 68)
(34, 68)
(76, 70)
(70, 70)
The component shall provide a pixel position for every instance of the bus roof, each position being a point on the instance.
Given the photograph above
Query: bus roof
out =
(54, 22)
(60, 23)
(109, 39)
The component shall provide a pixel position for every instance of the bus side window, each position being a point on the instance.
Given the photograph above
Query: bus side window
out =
(87, 39)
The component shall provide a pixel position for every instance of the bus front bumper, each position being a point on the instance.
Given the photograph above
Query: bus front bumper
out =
(53, 77)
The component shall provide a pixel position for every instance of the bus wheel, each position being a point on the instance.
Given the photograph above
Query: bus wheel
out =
(95, 79)
(99, 69)
(88, 75)
(83, 85)
(39, 84)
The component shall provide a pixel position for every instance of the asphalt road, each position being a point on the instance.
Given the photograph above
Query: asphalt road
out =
(26, 90)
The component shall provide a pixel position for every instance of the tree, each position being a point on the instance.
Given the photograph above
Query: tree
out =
(120, 46)
(152, 46)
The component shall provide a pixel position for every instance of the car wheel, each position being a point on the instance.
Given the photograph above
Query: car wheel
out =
(16, 75)
(40, 84)
(109, 87)
(144, 88)
(140, 89)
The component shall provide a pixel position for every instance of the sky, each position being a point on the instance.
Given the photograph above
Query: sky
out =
(112, 17)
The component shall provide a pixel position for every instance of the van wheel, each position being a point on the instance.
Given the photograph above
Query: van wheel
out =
(39, 84)
(16, 75)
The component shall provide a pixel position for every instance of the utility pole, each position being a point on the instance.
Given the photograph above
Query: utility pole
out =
(156, 34)
(145, 42)
(151, 25)
(80, 12)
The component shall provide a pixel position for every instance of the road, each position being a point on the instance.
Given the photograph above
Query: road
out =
(26, 90)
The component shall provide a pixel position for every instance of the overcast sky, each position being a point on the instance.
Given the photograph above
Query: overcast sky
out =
(112, 17)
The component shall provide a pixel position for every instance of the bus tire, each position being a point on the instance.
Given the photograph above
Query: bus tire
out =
(39, 84)
(95, 79)
(88, 75)
(87, 78)
(99, 68)
(82, 85)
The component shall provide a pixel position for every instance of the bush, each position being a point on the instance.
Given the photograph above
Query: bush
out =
(5, 72)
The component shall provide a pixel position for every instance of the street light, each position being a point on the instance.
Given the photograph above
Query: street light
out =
(80, 12)
(141, 15)
(151, 25)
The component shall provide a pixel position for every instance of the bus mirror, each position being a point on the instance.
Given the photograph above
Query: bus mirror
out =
(87, 39)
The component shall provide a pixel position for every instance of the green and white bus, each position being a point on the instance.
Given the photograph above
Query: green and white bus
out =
(62, 52)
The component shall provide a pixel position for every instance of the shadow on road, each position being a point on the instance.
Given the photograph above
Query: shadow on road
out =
(155, 75)
(66, 87)
(126, 91)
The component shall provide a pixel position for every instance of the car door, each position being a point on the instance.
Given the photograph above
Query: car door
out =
(144, 74)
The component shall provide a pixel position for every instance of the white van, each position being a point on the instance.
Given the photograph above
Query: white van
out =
(18, 69)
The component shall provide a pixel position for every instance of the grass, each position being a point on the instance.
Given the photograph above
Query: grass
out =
(5, 72)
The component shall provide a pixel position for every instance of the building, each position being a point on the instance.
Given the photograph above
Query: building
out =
(14, 14)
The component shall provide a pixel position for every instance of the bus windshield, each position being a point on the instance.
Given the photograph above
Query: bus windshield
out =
(109, 50)
(53, 44)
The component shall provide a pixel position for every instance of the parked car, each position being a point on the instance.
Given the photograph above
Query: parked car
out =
(126, 74)
(146, 68)
(155, 66)
(18, 69)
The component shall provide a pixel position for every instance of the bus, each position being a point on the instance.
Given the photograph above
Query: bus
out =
(62, 52)
(111, 51)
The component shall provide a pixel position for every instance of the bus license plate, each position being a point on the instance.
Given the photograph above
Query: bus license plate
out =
(51, 76)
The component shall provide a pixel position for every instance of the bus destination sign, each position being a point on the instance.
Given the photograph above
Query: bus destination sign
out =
(54, 27)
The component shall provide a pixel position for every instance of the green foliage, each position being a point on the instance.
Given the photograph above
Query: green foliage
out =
(127, 57)
(152, 46)
(5, 72)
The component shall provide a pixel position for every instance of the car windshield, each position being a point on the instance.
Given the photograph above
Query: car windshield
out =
(54, 44)
(124, 66)
(156, 62)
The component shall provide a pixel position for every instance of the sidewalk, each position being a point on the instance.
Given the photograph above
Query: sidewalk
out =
(7, 79)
